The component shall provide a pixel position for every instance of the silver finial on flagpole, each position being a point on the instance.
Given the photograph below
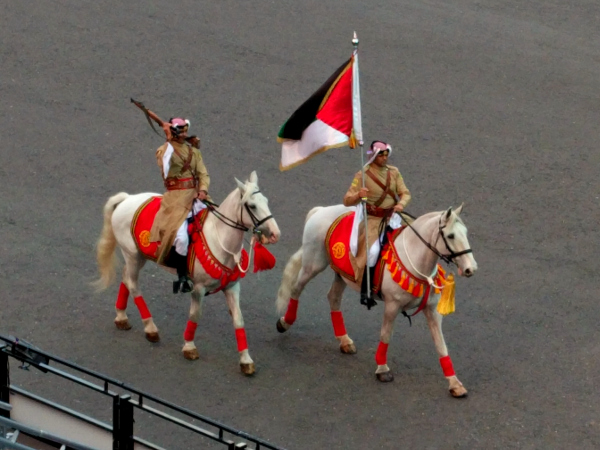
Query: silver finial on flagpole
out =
(355, 40)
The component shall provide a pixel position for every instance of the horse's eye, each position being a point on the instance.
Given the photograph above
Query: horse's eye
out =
(450, 236)
(252, 206)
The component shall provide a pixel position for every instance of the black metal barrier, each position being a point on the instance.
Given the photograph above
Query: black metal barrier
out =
(123, 404)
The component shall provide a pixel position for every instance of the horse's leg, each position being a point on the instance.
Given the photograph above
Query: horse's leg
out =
(133, 265)
(337, 319)
(233, 302)
(392, 307)
(189, 348)
(122, 321)
(434, 320)
(307, 273)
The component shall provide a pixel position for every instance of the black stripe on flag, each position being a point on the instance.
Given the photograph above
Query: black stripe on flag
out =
(307, 113)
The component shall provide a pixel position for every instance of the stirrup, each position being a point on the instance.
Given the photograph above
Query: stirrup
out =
(186, 284)
(369, 302)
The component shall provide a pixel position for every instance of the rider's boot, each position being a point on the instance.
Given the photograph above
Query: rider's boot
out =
(184, 284)
(366, 298)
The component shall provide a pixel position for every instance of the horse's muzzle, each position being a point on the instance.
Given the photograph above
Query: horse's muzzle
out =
(272, 239)
(468, 272)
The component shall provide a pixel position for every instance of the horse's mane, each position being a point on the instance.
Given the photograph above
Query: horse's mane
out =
(429, 215)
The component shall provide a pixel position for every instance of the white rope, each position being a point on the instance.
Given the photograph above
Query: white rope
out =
(428, 278)
(236, 256)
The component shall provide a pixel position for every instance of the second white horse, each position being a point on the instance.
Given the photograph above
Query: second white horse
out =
(431, 236)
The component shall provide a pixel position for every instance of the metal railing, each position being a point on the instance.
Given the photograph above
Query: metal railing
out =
(123, 404)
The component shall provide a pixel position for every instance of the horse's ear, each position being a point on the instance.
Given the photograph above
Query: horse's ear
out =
(458, 210)
(253, 177)
(241, 186)
(446, 216)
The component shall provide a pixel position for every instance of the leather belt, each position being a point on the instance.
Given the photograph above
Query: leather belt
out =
(379, 212)
(174, 184)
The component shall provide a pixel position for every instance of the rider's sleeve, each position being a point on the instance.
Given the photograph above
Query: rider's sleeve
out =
(201, 173)
(350, 197)
(402, 191)
(160, 151)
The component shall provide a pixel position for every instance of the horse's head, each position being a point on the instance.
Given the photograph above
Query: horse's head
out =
(256, 214)
(453, 242)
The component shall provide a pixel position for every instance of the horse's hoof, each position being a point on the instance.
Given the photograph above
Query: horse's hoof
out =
(280, 327)
(247, 369)
(385, 377)
(153, 336)
(348, 349)
(123, 324)
(459, 392)
(191, 355)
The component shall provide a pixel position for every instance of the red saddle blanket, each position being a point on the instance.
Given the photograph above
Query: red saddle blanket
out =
(198, 249)
(341, 260)
(337, 243)
(141, 225)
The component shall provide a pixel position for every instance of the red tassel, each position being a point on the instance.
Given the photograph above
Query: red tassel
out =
(263, 258)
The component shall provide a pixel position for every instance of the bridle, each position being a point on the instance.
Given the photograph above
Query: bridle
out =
(239, 224)
(452, 255)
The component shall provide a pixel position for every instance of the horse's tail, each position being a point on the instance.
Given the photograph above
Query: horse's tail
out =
(105, 248)
(290, 275)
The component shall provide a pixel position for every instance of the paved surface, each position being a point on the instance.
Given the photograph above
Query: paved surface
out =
(487, 102)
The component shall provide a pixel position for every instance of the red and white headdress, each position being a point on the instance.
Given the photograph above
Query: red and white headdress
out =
(179, 125)
(376, 148)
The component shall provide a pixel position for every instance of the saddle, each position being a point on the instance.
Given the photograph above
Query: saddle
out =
(198, 249)
(337, 243)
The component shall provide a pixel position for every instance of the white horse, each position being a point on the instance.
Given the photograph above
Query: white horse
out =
(431, 236)
(244, 208)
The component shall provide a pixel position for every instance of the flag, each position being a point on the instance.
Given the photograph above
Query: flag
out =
(329, 118)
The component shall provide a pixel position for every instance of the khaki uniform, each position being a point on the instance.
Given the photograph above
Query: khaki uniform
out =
(380, 204)
(177, 203)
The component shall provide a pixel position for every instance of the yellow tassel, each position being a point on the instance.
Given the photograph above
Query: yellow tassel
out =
(446, 304)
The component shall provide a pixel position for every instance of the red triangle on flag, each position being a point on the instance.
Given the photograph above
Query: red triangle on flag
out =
(336, 110)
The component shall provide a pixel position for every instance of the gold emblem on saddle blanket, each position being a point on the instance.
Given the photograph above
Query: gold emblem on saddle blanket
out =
(338, 250)
(145, 238)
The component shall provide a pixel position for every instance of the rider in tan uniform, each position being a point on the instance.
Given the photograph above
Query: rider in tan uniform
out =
(185, 178)
(384, 194)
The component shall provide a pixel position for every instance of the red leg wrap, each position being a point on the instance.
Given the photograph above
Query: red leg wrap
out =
(292, 310)
(339, 329)
(122, 297)
(446, 364)
(240, 335)
(190, 331)
(381, 355)
(141, 304)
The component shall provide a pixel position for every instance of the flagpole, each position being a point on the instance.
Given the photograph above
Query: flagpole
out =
(357, 125)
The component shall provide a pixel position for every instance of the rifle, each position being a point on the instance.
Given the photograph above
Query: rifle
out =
(194, 141)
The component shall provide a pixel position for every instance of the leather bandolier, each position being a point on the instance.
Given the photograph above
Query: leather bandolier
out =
(174, 184)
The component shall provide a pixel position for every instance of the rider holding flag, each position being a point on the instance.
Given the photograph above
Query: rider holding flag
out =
(384, 193)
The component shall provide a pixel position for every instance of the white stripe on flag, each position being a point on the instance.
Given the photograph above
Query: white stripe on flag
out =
(356, 112)
(317, 136)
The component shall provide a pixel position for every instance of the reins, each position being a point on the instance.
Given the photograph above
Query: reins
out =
(238, 225)
(212, 207)
(448, 259)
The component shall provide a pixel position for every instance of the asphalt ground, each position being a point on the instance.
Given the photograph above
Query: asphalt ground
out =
(491, 103)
